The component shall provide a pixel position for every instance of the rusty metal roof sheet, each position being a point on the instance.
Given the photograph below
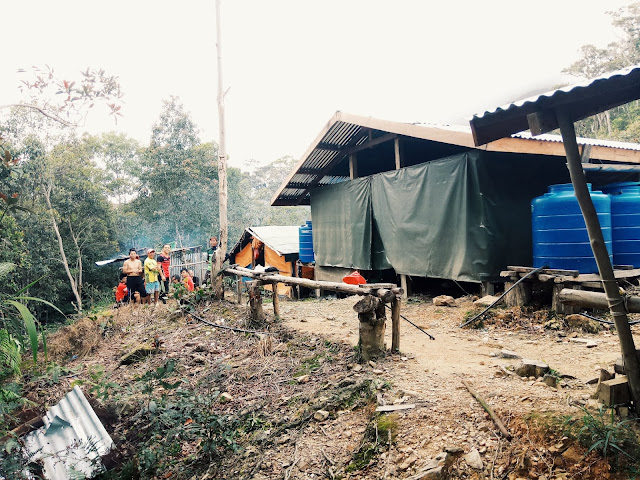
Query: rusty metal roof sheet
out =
(72, 439)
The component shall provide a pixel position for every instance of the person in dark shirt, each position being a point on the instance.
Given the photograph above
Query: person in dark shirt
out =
(211, 252)
(164, 259)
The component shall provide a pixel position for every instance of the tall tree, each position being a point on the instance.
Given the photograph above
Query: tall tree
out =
(222, 164)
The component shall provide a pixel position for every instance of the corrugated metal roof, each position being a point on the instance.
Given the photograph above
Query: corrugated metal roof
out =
(560, 92)
(344, 131)
(72, 440)
(578, 101)
(282, 239)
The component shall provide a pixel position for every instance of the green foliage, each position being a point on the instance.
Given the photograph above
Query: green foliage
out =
(606, 435)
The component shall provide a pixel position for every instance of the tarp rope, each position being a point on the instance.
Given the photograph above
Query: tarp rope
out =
(532, 272)
(405, 318)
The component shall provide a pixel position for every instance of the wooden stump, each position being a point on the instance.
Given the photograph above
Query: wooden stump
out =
(372, 318)
(557, 305)
(519, 296)
(256, 314)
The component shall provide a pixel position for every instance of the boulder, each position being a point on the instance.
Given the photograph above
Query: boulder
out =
(485, 301)
(444, 301)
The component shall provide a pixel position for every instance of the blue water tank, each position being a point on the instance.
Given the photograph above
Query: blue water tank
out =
(625, 222)
(306, 243)
(560, 238)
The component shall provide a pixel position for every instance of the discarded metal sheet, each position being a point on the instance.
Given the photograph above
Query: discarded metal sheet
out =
(72, 440)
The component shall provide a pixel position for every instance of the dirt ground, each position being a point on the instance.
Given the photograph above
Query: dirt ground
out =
(308, 364)
(447, 415)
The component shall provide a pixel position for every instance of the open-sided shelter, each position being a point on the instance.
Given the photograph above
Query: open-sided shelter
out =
(425, 201)
(269, 246)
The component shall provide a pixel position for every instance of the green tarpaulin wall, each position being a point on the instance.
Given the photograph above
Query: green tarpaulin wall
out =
(463, 217)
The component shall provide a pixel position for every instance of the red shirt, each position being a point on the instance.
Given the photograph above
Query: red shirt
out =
(121, 291)
(164, 262)
(188, 282)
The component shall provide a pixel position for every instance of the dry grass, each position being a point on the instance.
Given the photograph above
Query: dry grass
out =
(79, 339)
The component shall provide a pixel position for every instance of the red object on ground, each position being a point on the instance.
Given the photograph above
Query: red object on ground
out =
(354, 279)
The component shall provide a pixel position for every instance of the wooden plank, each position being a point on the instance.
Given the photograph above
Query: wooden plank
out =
(395, 325)
(594, 277)
(550, 271)
(395, 408)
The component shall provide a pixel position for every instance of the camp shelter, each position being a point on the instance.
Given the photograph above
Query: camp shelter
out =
(422, 200)
(269, 246)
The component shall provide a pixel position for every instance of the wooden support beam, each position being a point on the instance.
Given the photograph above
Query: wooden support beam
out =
(239, 289)
(395, 325)
(385, 294)
(585, 154)
(404, 284)
(353, 166)
(398, 153)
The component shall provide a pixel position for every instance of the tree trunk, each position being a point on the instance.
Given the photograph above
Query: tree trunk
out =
(221, 252)
(372, 318)
(63, 256)
(616, 305)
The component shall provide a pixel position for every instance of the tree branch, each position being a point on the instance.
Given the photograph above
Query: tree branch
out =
(42, 111)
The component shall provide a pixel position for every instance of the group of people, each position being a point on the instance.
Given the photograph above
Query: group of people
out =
(140, 282)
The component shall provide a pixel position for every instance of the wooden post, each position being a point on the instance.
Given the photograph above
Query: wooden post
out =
(276, 300)
(557, 305)
(239, 289)
(487, 288)
(372, 325)
(616, 305)
(216, 281)
(395, 325)
(398, 153)
(519, 296)
(404, 284)
(256, 316)
(353, 166)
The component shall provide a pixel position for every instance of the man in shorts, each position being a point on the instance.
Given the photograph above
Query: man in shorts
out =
(132, 268)
(152, 274)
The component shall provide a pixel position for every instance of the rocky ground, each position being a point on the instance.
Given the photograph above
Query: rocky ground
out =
(297, 404)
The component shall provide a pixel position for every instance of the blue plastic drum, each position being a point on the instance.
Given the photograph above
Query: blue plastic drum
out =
(560, 238)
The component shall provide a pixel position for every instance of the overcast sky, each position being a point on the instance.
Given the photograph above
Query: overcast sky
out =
(290, 64)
